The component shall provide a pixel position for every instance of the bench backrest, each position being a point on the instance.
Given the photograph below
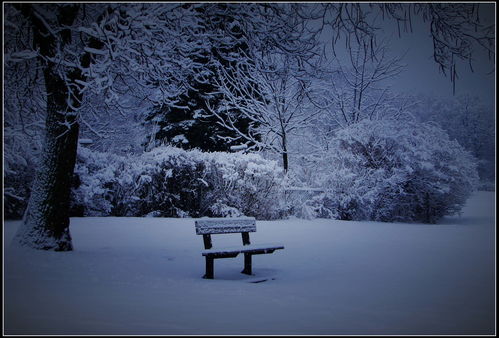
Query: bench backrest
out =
(209, 226)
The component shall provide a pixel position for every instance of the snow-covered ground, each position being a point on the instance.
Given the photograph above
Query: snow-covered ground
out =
(143, 276)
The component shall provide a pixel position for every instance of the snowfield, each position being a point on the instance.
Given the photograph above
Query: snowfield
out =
(143, 276)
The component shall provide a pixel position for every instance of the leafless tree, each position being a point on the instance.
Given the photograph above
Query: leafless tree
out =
(359, 89)
(273, 94)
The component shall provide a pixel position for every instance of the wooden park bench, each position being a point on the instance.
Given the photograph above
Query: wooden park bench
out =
(243, 225)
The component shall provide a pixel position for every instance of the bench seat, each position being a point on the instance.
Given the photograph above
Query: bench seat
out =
(254, 249)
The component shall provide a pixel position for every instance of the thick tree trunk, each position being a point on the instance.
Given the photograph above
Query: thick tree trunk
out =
(46, 220)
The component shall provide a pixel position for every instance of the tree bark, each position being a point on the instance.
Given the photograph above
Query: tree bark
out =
(285, 160)
(46, 220)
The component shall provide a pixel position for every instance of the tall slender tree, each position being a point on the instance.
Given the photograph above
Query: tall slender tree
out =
(270, 85)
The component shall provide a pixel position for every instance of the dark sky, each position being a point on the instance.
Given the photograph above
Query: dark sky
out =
(422, 74)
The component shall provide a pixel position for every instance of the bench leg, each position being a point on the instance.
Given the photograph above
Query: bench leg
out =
(247, 264)
(209, 268)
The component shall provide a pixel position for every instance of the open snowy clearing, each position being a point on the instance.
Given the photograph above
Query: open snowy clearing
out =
(143, 276)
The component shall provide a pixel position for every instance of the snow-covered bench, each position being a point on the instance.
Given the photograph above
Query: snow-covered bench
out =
(243, 225)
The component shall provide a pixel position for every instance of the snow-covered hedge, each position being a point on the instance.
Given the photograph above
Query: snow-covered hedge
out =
(395, 171)
(172, 182)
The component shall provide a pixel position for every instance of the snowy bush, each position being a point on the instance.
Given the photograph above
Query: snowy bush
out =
(19, 173)
(16, 191)
(390, 170)
(171, 182)
(21, 151)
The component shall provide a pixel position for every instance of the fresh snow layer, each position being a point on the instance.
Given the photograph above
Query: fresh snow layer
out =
(143, 276)
(242, 248)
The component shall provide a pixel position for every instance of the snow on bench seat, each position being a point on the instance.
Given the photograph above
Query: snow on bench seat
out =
(251, 248)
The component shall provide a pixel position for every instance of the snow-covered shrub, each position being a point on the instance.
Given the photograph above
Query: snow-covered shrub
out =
(21, 152)
(17, 188)
(98, 175)
(246, 182)
(299, 202)
(19, 173)
(171, 182)
(389, 170)
(168, 181)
